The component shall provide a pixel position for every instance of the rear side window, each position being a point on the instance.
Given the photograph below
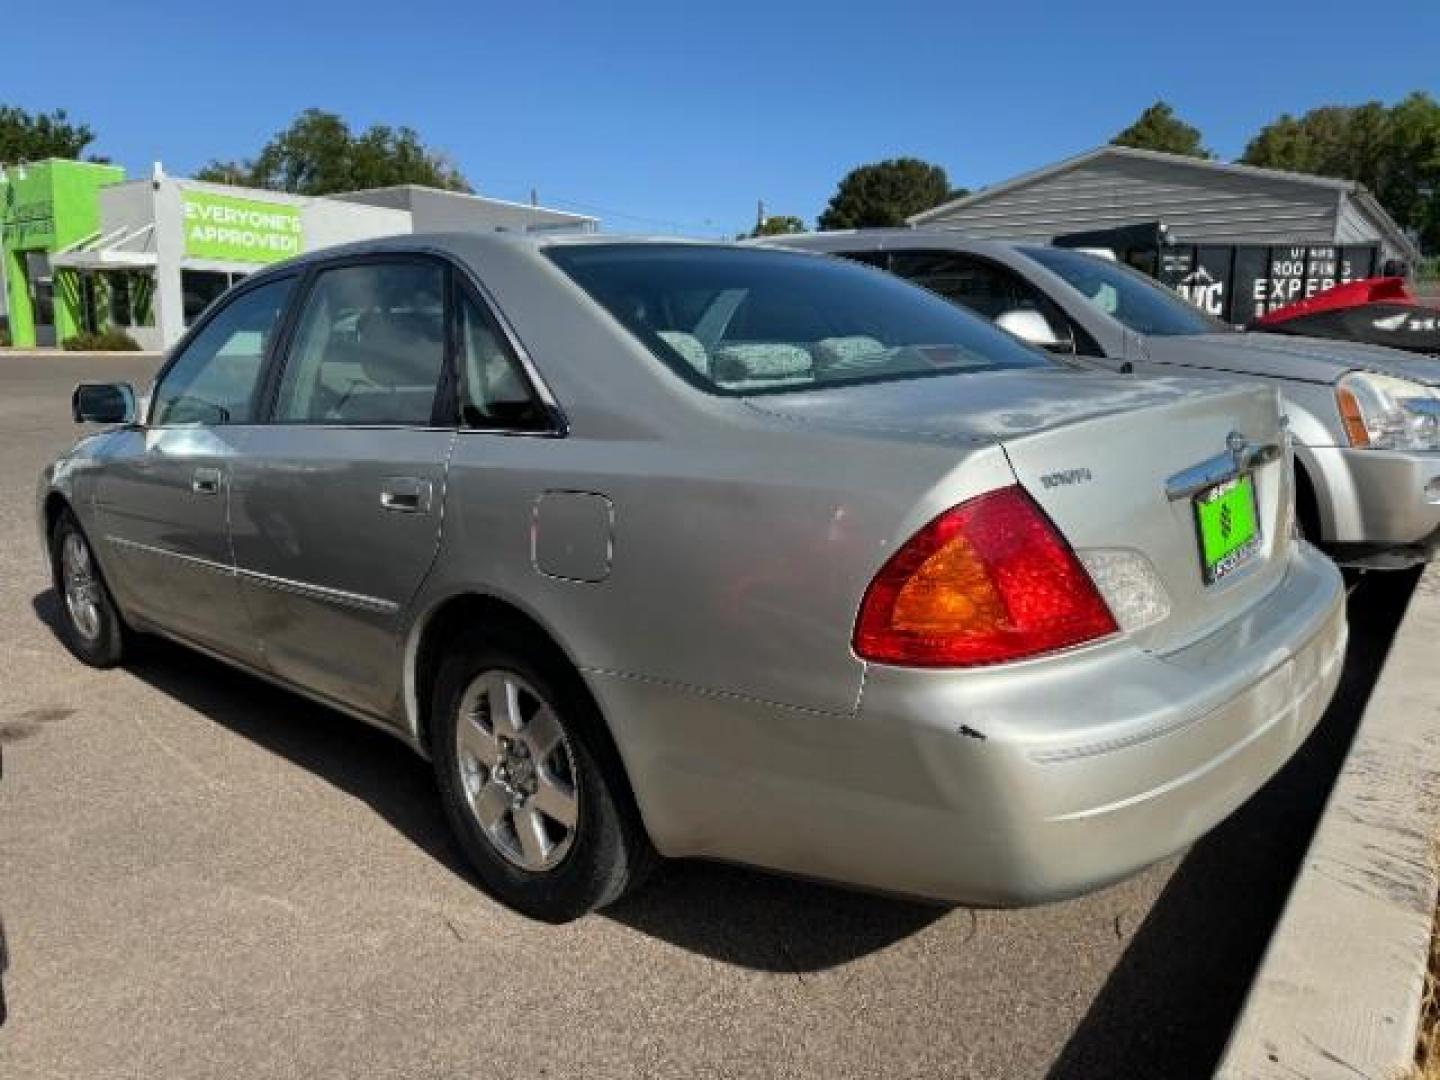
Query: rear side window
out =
(982, 287)
(494, 392)
(213, 380)
(369, 347)
(987, 289)
(752, 320)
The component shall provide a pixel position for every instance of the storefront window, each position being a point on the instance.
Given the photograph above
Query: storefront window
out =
(142, 298)
(90, 294)
(120, 300)
(201, 288)
(131, 296)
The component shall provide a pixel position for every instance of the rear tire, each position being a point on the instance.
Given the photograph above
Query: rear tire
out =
(1307, 507)
(90, 624)
(530, 782)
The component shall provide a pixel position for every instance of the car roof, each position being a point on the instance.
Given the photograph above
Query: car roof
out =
(889, 240)
(473, 245)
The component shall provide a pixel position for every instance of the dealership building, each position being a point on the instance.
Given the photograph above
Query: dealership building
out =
(84, 249)
(45, 208)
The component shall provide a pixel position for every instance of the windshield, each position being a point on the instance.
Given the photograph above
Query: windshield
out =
(748, 321)
(1142, 304)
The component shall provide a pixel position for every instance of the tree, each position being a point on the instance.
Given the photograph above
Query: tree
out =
(1411, 188)
(885, 194)
(1394, 152)
(24, 137)
(777, 225)
(1158, 128)
(318, 155)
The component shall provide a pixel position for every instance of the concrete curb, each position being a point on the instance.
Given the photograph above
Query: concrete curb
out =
(9, 353)
(1339, 991)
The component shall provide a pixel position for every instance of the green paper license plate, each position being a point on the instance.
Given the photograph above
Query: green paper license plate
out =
(1228, 525)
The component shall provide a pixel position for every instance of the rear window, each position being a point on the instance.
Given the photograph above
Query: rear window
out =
(752, 321)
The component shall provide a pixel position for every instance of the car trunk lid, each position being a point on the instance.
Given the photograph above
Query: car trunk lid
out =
(1116, 462)
(1199, 486)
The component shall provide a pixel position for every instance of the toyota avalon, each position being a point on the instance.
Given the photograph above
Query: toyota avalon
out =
(703, 550)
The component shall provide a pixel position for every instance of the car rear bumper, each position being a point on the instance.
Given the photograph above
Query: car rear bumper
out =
(1093, 774)
(1385, 505)
(998, 786)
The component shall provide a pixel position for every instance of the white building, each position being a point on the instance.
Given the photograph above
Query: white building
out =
(167, 247)
(433, 210)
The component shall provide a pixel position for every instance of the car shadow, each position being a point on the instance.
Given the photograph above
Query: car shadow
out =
(1169, 1005)
(1165, 1010)
(359, 760)
(737, 916)
(767, 922)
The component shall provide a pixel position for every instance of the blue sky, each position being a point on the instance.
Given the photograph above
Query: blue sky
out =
(678, 116)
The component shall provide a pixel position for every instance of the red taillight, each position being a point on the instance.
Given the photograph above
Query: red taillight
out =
(987, 581)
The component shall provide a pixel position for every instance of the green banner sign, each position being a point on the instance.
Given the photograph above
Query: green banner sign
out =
(28, 209)
(240, 230)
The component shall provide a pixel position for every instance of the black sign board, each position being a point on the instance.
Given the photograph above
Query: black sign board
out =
(1237, 282)
(1241, 282)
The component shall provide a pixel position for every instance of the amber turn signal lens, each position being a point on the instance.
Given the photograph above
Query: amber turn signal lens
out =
(950, 593)
(988, 581)
(1352, 418)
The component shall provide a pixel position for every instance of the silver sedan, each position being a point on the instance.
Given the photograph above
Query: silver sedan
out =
(699, 550)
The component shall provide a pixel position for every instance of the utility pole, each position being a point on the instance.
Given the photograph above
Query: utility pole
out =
(759, 215)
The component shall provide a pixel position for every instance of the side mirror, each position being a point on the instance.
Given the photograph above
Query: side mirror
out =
(103, 403)
(1030, 325)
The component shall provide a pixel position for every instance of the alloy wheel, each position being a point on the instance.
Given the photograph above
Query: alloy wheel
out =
(517, 770)
(82, 586)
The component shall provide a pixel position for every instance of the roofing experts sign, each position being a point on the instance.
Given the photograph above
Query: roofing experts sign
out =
(230, 229)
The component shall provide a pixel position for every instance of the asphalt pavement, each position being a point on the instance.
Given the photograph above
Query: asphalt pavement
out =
(204, 876)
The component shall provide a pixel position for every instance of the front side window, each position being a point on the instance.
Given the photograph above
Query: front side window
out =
(752, 320)
(1143, 305)
(213, 380)
(369, 347)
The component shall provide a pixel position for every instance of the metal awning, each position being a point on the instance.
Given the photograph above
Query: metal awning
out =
(105, 260)
(108, 252)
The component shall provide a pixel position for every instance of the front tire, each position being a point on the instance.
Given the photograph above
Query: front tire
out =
(90, 624)
(529, 780)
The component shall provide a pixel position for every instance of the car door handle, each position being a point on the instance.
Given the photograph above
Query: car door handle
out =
(406, 495)
(205, 482)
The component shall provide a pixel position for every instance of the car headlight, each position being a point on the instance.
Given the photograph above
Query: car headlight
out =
(1387, 413)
